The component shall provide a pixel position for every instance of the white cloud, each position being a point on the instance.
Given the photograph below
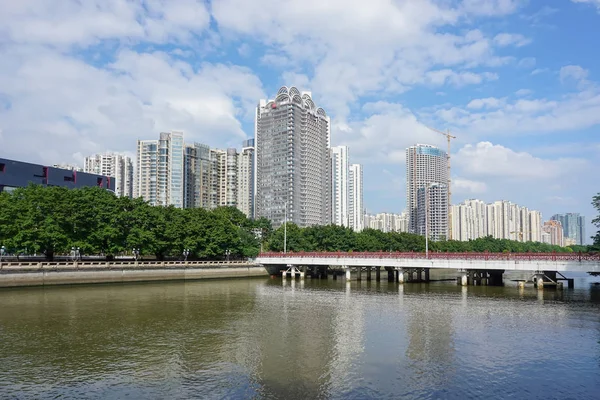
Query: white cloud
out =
(82, 108)
(569, 112)
(593, 2)
(511, 39)
(73, 22)
(384, 136)
(466, 186)
(573, 72)
(495, 161)
(523, 92)
(490, 102)
(369, 47)
(527, 62)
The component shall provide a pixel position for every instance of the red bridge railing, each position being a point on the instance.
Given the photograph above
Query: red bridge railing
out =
(442, 256)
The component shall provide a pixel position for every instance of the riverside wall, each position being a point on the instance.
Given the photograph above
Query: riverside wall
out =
(47, 274)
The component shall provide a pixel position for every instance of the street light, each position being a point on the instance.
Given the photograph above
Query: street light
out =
(285, 229)
(136, 253)
(227, 253)
(186, 253)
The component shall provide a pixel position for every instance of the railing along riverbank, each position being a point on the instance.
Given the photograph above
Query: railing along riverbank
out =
(80, 272)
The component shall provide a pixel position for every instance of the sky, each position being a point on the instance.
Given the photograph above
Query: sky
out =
(516, 81)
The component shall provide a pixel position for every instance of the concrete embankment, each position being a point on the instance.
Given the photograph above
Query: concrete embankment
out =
(61, 273)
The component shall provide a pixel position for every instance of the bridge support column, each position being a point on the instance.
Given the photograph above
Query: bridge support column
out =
(378, 274)
(368, 273)
(315, 272)
(538, 280)
(400, 272)
(358, 273)
(348, 274)
(463, 278)
(302, 272)
(390, 275)
(426, 273)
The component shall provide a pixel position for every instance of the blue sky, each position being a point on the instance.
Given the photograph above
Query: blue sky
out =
(517, 81)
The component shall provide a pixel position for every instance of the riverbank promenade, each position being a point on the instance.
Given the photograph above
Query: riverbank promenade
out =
(13, 274)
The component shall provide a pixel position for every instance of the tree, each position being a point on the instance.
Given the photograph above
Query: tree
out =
(596, 221)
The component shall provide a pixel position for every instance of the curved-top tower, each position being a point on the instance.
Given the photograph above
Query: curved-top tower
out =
(293, 165)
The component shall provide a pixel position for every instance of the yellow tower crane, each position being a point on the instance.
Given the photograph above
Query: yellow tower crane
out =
(449, 137)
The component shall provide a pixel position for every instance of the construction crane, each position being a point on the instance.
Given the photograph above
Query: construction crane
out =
(449, 137)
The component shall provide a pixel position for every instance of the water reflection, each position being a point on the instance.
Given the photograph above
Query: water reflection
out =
(299, 339)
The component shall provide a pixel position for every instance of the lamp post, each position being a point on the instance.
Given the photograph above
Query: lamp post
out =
(285, 229)
(136, 253)
(227, 253)
(426, 221)
(186, 253)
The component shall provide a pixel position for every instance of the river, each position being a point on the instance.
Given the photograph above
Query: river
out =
(266, 339)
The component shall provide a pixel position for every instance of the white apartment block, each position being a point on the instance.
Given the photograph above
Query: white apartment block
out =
(160, 170)
(355, 198)
(387, 222)
(69, 167)
(117, 166)
(473, 219)
(293, 160)
(427, 166)
(245, 190)
(432, 211)
(339, 185)
(553, 233)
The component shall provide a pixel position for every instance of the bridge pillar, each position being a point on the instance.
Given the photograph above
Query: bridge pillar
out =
(390, 275)
(368, 273)
(378, 274)
(538, 280)
(463, 279)
(426, 273)
(400, 272)
(348, 274)
(358, 273)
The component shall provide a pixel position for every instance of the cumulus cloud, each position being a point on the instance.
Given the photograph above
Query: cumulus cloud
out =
(83, 108)
(511, 39)
(466, 186)
(573, 72)
(496, 161)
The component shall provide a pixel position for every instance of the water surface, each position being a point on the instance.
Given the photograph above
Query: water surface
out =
(317, 339)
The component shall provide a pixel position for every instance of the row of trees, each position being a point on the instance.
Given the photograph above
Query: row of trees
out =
(336, 238)
(52, 220)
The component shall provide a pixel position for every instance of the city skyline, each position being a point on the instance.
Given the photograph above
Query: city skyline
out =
(521, 100)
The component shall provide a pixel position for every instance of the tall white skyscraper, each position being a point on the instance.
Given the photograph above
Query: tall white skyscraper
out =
(117, 166)
(245, 189)
(427, 166)
(160, 170)
(293, 162)
(355, 198)
(339, 185)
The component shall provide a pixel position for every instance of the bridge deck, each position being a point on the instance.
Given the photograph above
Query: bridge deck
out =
(561, 262)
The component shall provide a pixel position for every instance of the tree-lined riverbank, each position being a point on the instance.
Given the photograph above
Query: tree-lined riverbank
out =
(52, 220)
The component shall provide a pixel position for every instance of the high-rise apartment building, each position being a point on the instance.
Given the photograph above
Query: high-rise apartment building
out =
(355, 198)
(160, 170)
(432, 211)
(387, 222)
(69, 167)
(553, 230)
(246, 179)
(473, 219)
(293, 163)
(339, 185)
(427, 166)
(117, 166)
(573, 226)
(146, 185)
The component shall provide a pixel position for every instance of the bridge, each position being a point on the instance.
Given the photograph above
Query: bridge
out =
(473, 268)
